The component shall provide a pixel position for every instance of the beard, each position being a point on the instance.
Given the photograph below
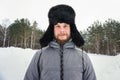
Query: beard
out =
(62, 38)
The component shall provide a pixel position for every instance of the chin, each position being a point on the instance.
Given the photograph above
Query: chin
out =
(63, 40)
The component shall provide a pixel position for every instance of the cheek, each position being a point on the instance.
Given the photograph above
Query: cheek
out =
(68, 31)
(55, 32)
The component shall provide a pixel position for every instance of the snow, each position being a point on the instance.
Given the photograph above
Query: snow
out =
(106, 67)
(14, 62)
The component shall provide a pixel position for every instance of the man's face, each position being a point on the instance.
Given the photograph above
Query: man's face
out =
(62, 32)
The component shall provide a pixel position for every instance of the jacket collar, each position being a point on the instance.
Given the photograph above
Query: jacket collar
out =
(68, 44)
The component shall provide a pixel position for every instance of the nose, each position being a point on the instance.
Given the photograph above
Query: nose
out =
(62, 29)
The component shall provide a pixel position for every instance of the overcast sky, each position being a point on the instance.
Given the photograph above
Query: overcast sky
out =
(87, 11)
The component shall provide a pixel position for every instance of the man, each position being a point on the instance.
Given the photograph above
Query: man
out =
(60, 57)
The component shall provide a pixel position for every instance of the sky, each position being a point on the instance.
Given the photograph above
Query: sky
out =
(14, 62)
(87, 11)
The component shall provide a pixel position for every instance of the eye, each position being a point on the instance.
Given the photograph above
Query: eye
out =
(57, 26)
(66, 25)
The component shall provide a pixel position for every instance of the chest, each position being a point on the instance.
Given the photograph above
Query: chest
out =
(72, 60)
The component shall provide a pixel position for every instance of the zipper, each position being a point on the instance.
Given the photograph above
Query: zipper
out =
(61, 63)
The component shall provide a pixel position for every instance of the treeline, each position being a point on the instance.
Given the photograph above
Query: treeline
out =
(20, 33)
(100, 38)
(103, 38)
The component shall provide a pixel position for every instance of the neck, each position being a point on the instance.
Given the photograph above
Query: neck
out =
(61, 42)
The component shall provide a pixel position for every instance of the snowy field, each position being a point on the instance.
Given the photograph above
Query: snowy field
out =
(14, 62)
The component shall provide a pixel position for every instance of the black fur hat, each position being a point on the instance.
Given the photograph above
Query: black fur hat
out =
(61, 13)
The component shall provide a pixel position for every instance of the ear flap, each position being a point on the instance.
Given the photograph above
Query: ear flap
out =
(76, 36)
(47, 37)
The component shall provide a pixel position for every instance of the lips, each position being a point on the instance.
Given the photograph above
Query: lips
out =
(62, 35)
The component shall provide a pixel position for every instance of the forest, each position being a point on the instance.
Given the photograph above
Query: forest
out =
(100, 38)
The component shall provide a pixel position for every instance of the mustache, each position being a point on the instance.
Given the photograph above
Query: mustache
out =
(61, 34)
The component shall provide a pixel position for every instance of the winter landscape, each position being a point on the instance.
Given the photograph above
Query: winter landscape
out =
(14, 62)
(100, 26)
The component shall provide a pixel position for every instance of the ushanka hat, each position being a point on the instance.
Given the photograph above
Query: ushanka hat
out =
(58, 14)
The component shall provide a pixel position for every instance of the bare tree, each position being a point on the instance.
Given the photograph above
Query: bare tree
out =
(4, 30)
(33, 34)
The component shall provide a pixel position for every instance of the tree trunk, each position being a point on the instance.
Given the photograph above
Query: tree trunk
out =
(97, 44)
(5, 35)
(108, 47)
(31, 45)
(25, 40)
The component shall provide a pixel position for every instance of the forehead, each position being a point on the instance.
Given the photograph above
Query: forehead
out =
(62, 23)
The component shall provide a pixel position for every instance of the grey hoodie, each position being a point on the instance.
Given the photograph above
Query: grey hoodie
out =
(76, 64)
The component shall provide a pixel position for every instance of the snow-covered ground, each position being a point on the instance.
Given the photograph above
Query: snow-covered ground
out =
(14, 62)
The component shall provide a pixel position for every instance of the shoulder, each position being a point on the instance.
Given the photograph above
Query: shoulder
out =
(79, 50)
(83, 54)
(41, 51)
(38, 52)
